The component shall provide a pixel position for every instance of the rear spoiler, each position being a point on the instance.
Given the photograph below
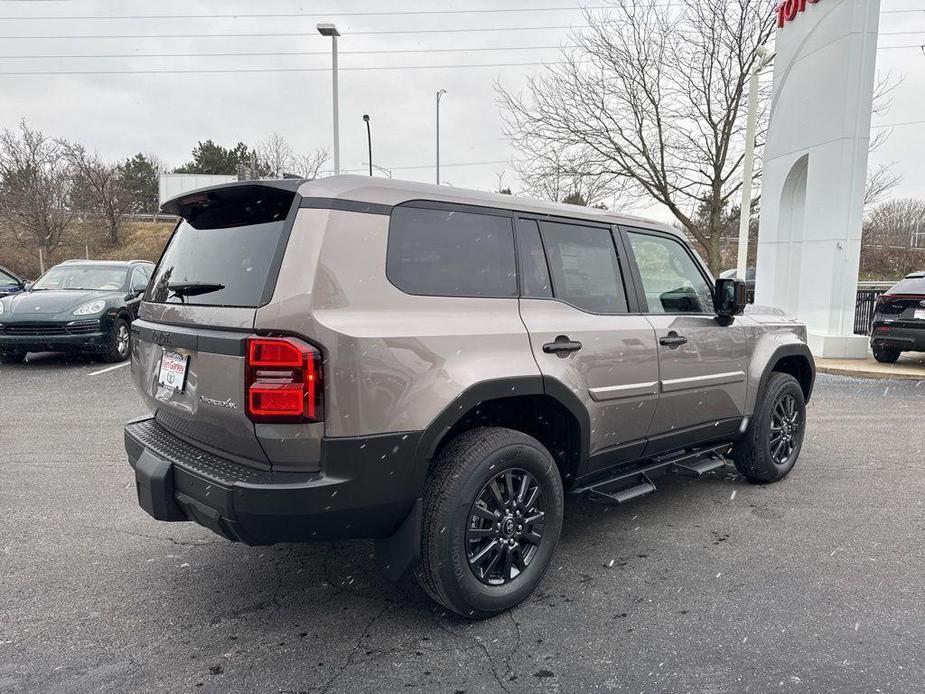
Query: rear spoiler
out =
(235, 204)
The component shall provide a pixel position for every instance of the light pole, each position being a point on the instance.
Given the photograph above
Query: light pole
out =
(439, 94)
(369, 141)
(748, 163)
(331, 30)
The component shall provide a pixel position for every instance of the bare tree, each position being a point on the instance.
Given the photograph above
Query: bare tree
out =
(896, 223)
(883, 179)
(99, 188)
(552, 176)
(880, 183)
(36, 185)
(309, 165)
(276, 155)
(652, 97)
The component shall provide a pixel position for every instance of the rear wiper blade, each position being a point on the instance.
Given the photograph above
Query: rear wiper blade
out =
(194, 288)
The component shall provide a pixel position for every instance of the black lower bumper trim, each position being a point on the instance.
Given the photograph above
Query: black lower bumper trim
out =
(367, 488)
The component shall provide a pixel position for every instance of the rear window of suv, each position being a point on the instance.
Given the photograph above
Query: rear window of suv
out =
(446, 252)
(230, 242)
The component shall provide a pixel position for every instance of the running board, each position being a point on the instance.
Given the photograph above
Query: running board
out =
(642, 487)
(628, 484)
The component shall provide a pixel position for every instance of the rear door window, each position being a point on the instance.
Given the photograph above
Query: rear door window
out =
(584, 267)
(231, 247)
(447, 252)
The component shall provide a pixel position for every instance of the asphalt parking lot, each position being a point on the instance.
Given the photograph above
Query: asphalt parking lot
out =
(812, 585)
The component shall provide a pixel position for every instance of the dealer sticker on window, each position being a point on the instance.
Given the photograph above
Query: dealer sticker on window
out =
(172, 373)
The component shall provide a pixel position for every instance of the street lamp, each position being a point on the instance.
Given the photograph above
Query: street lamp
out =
(331, 30)
(439, 94)
(748, 162)
(369, 140)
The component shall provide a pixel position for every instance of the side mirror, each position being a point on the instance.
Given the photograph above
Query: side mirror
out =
(730, 298)
(26, 286)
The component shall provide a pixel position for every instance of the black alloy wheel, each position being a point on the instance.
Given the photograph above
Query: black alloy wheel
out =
(505, 528)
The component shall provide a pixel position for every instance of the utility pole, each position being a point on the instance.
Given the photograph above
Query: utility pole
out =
(439, 94)
(748, 162)
(331, 30)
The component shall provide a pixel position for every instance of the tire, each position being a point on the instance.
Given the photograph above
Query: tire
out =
(455, 543)
(759, 455)
(120, 342)
(886, 355)
(13, 356)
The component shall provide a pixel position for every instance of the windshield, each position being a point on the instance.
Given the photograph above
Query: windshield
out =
(82, 277)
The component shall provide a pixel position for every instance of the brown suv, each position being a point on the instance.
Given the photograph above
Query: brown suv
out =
(435, 368)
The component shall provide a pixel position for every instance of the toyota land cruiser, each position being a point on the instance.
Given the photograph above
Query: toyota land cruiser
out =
(436, 368)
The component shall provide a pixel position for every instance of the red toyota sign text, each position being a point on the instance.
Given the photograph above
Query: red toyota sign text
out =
(788, 10)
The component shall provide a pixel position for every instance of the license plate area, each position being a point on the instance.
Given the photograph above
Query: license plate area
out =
(172, 371)
(919, 314)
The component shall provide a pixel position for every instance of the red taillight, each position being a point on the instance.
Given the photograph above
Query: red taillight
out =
(283, 381)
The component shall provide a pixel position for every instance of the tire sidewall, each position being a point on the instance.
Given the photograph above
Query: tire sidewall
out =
(780, 387)
(114, 354)
(461, 584)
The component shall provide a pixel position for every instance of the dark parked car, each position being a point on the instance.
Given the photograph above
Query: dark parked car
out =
(10, 283)
(77, 306)
(899, 320)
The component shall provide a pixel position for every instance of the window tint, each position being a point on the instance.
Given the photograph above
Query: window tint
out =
(450, 253)
(671, 279)
(238, 258)
(584, 268)
(534, 273)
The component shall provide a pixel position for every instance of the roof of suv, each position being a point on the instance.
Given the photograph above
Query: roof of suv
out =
(385, 191)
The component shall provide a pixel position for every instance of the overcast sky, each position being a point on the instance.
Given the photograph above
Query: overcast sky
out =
(166, 114)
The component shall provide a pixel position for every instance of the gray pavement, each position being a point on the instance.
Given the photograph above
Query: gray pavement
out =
(811, 585)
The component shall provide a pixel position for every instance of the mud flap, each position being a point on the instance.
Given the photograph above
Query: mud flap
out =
(396, 554)
(154, 483)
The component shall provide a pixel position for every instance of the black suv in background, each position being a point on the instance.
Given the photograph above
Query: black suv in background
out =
(899, 320)
(77, 306)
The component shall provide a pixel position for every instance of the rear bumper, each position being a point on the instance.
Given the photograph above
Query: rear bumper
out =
(367, 488)
(906, 339)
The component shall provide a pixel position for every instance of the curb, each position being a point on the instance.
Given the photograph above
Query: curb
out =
(873, 375)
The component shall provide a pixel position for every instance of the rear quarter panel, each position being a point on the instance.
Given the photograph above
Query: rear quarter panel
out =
(393, 361)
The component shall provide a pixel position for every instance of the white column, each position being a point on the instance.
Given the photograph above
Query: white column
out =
(815, 166)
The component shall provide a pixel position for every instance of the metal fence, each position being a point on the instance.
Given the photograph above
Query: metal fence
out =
(864, 309)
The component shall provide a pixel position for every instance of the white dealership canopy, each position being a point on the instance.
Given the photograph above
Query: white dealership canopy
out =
(815, 165)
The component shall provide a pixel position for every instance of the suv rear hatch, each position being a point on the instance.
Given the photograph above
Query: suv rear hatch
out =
(190, 343)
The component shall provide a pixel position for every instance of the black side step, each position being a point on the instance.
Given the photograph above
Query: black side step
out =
(642, 487)
(627, 484)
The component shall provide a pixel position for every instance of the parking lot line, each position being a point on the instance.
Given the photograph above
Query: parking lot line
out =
(110, 368)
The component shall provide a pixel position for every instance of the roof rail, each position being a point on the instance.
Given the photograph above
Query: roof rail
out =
(915, 275)
(72, 260)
